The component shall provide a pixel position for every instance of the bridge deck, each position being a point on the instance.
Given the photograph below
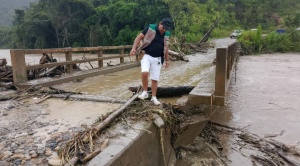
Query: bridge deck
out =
(203, 91)
(75, 76)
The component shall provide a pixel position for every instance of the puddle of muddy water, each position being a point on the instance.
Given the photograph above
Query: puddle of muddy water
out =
(68, 114)
(113, 85)
(57, 115)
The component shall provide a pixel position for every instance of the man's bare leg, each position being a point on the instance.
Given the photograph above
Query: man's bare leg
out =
(144, 94)
(154, 87)
(145, 80)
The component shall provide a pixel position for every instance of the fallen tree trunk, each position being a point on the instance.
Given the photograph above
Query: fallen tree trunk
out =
(116, 113)
(205, 37)
(87, 98)
(43, 99)
(169, 91)
(177, 56)
(48, 71)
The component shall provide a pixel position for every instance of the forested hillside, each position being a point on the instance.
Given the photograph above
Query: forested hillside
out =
(80, 23)
(8, 7)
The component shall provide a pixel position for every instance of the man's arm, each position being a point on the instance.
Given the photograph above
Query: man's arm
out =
(136, 43)
(166, 53)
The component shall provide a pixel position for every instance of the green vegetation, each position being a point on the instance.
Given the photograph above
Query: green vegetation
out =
(253, 42)
(85, 23)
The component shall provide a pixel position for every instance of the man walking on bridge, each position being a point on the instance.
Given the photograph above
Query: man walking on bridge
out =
(154, 39)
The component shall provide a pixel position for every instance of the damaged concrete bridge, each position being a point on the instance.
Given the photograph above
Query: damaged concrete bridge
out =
(156, 144)
(139, 142)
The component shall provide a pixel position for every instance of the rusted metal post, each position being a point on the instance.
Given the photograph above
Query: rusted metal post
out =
(121, 53)
(100, 54)
(69, 58)
(18, 66)
(221, 72)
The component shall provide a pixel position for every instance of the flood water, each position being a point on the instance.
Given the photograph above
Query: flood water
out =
(264, 100)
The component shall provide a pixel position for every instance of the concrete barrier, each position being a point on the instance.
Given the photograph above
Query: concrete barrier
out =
(138, 145)
(146, 144)
(212, 89)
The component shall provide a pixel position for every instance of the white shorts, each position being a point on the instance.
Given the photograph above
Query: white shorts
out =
(152, 64)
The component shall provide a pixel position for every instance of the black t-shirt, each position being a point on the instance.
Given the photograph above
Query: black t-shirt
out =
(156, 47)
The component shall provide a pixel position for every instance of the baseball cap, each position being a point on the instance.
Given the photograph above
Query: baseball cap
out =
(167, 23)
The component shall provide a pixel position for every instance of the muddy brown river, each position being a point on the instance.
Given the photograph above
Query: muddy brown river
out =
(264, 100)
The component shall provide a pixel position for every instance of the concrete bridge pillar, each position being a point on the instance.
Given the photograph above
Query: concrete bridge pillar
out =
(221, 75)
(18, 66)
(69, 58)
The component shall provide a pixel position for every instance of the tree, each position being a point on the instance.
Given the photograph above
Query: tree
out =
(79, 23)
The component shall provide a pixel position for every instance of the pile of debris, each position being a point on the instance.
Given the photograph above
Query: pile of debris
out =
(6, 71)
(46, 72)
(6, 74)
(181, 47)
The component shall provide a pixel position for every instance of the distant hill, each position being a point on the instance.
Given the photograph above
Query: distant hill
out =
(7, 10)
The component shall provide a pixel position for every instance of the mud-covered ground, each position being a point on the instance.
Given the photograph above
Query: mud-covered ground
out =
(31, 134)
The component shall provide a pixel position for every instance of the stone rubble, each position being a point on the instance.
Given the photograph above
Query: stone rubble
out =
(19, 142)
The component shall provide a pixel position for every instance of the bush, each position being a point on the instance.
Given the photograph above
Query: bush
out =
(125, 36)
(219, 33)
(296, 47)
(191, 37)
(275, 42)
(294, 35)
(251, 42)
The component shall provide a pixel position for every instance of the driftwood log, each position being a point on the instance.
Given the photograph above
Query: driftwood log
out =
(269, 147)
(168, 91)
(177, 56)
(182, 47)
(46, 59)
(43, 99)
(87, 98)
(46, 72)
(116, 113)
(205, 37)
